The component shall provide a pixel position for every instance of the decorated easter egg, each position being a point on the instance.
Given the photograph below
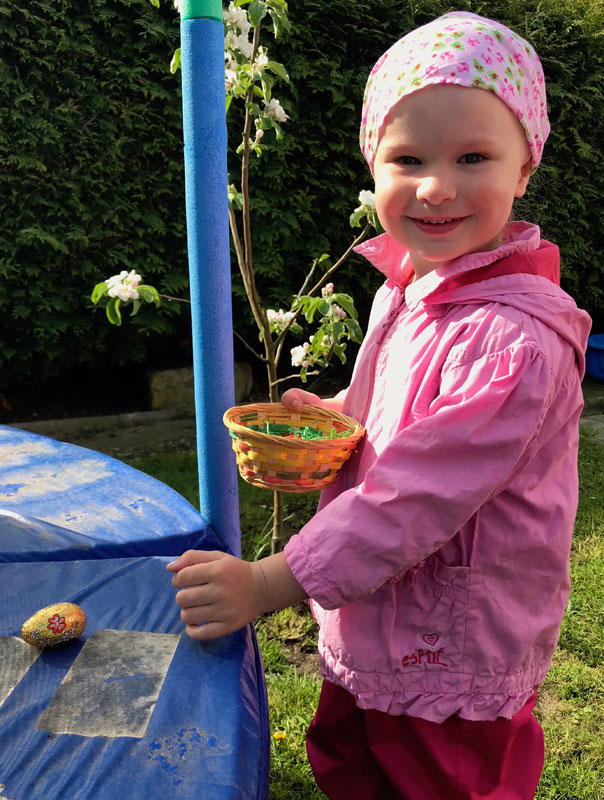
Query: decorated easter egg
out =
(55, 624)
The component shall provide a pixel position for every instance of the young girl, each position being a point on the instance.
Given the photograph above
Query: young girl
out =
(437, 564)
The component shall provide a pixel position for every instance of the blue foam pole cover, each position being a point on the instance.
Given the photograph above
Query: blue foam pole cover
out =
(205, 158)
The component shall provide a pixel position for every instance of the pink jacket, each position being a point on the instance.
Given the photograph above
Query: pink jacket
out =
(438, 561)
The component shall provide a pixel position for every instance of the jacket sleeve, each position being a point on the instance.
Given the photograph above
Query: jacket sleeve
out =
(430, 480)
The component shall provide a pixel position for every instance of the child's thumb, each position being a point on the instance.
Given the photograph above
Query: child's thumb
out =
(292, 399)
(191, 557)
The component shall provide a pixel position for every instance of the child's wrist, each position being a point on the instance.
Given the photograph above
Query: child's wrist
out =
(276, 586)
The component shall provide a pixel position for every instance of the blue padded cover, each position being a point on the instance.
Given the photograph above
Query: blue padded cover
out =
(97, 506)
(203, 739)
(134, 708)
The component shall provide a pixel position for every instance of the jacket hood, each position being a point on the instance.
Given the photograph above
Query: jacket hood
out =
(522, 272)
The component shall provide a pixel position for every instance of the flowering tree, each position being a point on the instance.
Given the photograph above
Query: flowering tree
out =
(250, 76)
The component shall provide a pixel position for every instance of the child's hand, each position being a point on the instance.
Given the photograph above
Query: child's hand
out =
(294, 399)
(223, 592)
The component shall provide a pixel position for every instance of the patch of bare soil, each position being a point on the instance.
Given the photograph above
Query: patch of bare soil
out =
(303, 657)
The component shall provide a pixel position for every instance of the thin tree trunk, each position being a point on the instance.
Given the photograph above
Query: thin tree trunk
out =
(277, 540)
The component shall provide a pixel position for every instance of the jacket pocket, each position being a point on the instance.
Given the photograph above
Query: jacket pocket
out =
(413, 628)
(431, 611)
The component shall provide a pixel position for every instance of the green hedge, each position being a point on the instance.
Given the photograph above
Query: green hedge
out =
(92, 181)
(91, 144)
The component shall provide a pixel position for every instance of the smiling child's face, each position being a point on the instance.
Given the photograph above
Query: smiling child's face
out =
(449, 164)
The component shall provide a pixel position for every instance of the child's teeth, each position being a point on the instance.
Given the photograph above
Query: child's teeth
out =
(437, 222)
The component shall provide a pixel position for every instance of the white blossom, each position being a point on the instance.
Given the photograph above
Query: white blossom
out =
(367, 198)
(276, 110)
(238, 41)
(236, 18)
(230, 76)
(327, 290)
(238, 29)
(244, 45)
(124, 285)
(338, 312)
(299, 354)
(261, 58)
(279, 319)
(178, 5)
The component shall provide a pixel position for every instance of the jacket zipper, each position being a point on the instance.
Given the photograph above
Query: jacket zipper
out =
(393, 313)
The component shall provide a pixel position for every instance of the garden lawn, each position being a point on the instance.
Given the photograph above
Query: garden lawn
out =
(571, 701)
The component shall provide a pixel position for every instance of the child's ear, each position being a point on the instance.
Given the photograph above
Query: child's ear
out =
(526, 170)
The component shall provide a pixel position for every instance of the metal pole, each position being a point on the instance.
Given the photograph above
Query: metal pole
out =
(205, 158)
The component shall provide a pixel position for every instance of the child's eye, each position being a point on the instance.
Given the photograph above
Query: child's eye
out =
(409, 161)
(471, 158)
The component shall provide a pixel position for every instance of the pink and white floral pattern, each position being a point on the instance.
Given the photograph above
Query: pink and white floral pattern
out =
(454, 49)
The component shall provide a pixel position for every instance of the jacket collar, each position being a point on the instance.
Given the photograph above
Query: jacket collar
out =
(519, 238)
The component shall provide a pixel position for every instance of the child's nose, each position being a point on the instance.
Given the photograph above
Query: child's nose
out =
(436, 189)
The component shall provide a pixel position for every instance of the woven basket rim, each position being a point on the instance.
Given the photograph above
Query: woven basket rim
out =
(312, 444)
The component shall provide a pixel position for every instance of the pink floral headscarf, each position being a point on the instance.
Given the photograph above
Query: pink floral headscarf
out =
(463, 49)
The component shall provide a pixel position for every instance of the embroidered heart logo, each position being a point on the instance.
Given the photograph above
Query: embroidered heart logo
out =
(430, 639)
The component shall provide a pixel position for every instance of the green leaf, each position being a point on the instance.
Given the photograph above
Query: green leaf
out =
(100, 290)
(267, 86)
(354, 330)
(346, 302)
(229, 100)
(322, 258)
(337, 330)
(278, 69)
(256, 12)
(135, 307)
(113, 311)
(278, 128)
(175, 63)
(154, 3)
(338, 349)
(311, 308)
(280, 20)
(149, 294)
(357, 216)
(324, 307)
(254, 108)
(240, 3)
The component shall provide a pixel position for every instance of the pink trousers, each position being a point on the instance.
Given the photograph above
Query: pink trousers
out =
(370, 755)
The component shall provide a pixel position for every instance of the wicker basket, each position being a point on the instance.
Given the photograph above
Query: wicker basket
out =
(290, 465)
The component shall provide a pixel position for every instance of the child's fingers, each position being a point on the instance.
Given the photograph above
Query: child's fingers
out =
(195, 596)
(198, 614)
(191, 557)
(211, 630)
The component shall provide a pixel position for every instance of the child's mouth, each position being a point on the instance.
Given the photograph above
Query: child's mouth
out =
(436, 224)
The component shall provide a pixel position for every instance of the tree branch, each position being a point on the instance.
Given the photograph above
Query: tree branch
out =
(251, 349)
(296, 375)
(175, 299)
(342, 258)
(248, 265)
(281, 338)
